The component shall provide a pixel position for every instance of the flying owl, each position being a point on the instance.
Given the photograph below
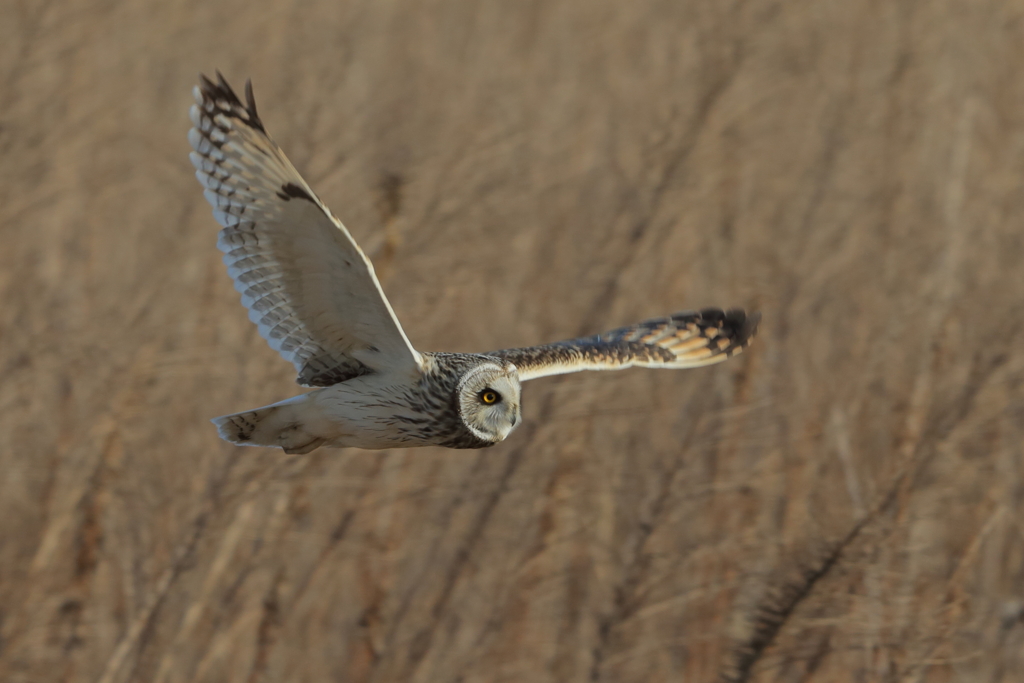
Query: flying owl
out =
(315, 298)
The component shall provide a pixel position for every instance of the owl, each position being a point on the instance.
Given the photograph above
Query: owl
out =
(315, 298)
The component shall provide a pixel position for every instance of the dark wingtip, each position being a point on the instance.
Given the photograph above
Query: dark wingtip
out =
(205, 83)
(222, 90)
(223, 82)
(250, 101)
(747, 324)
(735, 328)
(741, 326)
(713, 315)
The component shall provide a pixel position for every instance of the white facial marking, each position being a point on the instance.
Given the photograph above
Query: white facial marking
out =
(489, 401)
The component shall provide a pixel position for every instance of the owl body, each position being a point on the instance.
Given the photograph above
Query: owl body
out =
(314, 297)
(460, 400)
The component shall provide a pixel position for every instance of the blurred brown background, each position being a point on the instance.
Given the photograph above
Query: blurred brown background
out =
(843, 503)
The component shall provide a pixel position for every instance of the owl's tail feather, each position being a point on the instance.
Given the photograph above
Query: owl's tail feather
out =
(280, 425)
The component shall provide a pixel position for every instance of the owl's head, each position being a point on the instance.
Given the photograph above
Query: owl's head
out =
(488, 398)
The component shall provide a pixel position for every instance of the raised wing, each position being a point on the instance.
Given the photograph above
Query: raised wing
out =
(308, 286)
(684, 340)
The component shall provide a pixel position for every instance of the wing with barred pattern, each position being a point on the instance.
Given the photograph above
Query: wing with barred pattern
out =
(308, 286)
(689, 339)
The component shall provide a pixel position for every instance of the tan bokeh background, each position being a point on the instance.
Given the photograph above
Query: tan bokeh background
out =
(843, 503)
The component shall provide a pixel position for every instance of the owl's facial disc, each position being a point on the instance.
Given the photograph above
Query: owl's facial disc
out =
(489, 401)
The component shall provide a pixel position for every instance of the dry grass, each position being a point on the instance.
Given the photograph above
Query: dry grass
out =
(844, 503)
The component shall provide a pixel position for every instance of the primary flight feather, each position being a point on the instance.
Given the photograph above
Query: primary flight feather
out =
(314, 296)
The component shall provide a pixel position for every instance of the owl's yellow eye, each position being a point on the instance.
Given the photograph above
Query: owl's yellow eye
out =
(490, 396)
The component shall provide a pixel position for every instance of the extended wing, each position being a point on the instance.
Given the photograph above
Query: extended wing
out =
(308, 287)
(684, 340)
